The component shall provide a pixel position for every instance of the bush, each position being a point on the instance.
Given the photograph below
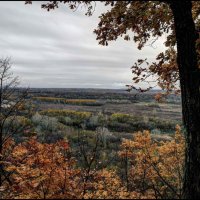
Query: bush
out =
(77, 118)
(36, 119)
(50, 137)
(93, 122)
(156, 131)
(164, 125)
(65, 120)
(122, 118)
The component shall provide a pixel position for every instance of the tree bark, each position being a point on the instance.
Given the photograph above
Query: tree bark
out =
(189, 73)
(1, 130)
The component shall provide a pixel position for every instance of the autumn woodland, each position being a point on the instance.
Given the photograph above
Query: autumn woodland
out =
(139, 142)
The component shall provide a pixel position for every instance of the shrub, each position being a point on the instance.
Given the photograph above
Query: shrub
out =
(119, 117)
(36, 119)
(77, 118)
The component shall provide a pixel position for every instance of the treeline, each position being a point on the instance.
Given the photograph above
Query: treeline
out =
(100, 94)
(87, 102)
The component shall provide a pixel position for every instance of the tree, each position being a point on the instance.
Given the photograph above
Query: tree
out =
(189, 73)
(12, 102)
(155, 168)
(151, 19)
(40, 170)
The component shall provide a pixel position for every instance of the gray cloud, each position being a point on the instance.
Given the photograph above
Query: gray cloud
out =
(59, 48)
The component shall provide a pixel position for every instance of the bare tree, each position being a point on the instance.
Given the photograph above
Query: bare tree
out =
(12, 103)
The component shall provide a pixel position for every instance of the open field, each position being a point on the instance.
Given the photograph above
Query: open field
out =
(141, 108)
(111, 101)
(165, 111)
(112, 115)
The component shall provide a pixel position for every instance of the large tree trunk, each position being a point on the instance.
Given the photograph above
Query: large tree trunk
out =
(186, 36)
(1, 130)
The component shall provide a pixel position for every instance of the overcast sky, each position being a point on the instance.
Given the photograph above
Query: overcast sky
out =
(58, 49)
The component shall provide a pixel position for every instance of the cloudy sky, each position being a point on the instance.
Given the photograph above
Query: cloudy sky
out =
(58, 49)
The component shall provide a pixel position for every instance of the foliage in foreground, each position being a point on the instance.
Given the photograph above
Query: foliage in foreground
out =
(36, 170)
